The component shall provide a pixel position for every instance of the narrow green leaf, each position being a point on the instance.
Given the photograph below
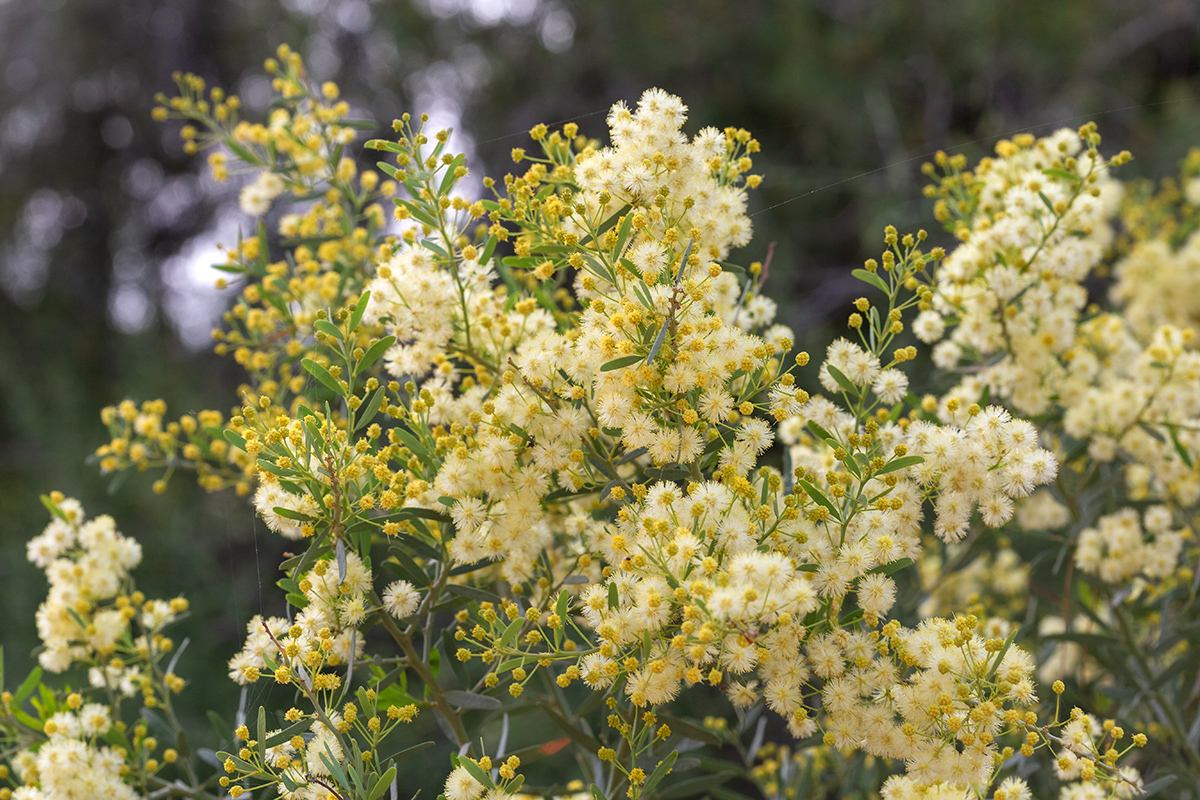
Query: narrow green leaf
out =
(381, 784)
(367, 415)
(489, 247)
(660, 772)
(403, 514)
(298, 565)
(417, 211)
(287, 733)
(240, 763)
(262, 732)
(613, 599)
(695, 787)
(359, 309)
(687, 251)
(637, 452)
(618, 363)
(234, 439)
(383, 144)
(48, 706)
(1155, 786)
(27, 686)
(473, 593)
(472, 700)
(1184, 455)
(327, 327)
(450, 178)
(891, 566)
(626, 225)
(288, 513)
(658, 343)
(1061, 173)
(510, 633)
(604, 226)
(1003, 651)
(407, 567)
(899, 463)
(842, 380)
(851, 618)
(55, 511)
(420, 546)
(411, 442)
(27, 720)
(1152, 433)
(668, 473)
(322, 374)
(850, 462)
(821, 433)
(871, 278)
(334, 767)
(477, 772)
(597, 794)
(642, 291)
(434, 247)
(260, 231)
(819, 497)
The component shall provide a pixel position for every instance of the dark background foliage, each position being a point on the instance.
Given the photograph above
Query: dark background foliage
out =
(104, 222)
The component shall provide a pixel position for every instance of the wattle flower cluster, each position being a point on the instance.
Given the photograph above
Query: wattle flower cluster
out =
(1145, 406)
(927, 687)
(651, 157)
(1121, 547)
(271, 496)
(659, 364)
(992, 459)
(555, 414)
(68, 767)
(1036, 227)
(1157, 285)
(336, 603)
(87, 564)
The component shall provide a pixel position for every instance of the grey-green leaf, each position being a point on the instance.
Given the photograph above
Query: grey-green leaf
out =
(472, 700)
(871, 278)
(322, 374)
(618, 363)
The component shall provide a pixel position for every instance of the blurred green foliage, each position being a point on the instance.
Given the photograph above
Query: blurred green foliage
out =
(847, 97)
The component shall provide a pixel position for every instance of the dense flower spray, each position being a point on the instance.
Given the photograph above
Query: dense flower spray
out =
(551, 443)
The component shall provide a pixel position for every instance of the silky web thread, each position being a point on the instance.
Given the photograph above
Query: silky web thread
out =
(247, 699)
